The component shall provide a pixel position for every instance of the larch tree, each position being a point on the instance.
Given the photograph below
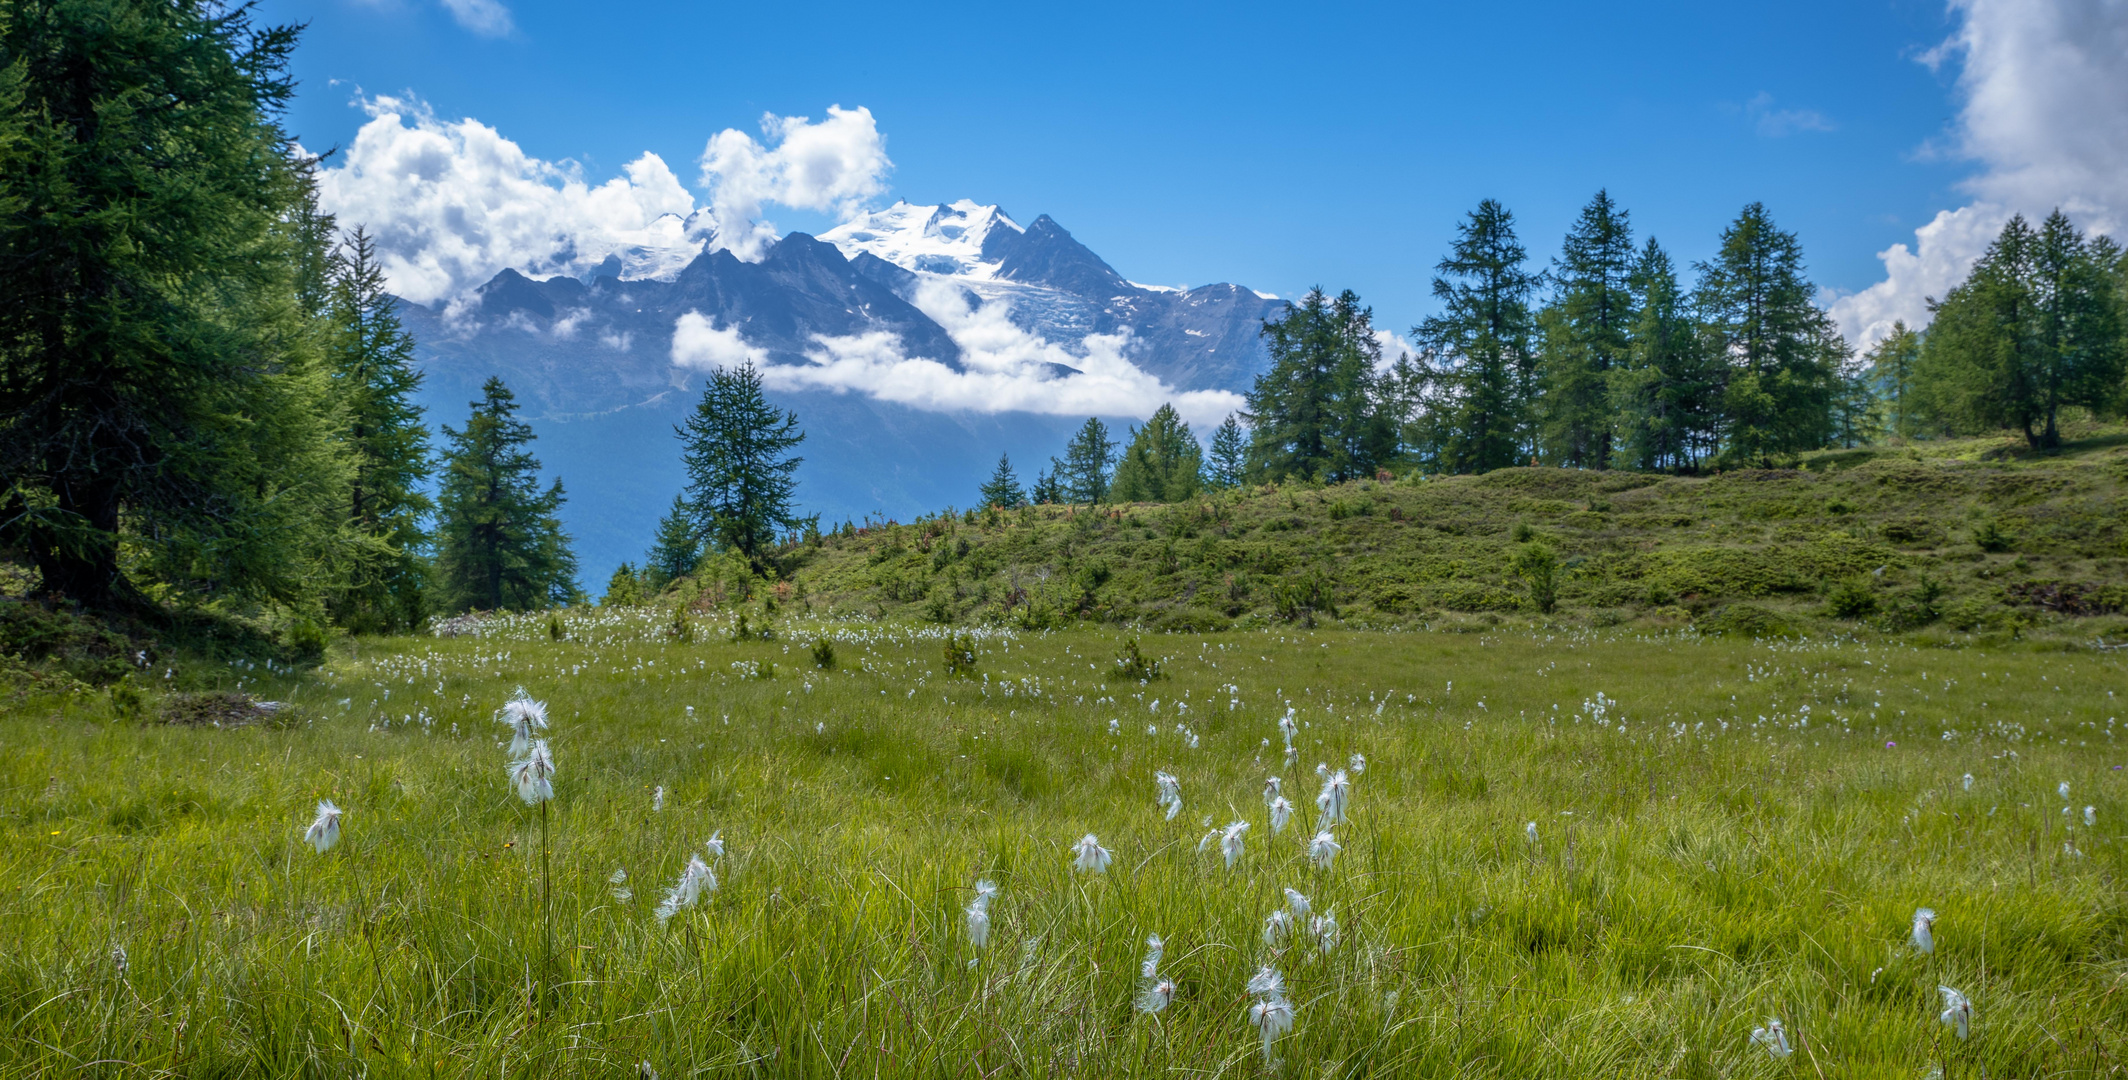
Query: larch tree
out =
(1479, 352)
(1083, 475)
(500, 545)
(1667, 391)
(1313, 415)
(1002, 490)
(1586, 333)
(1227, 461)
(741, 475)
(1162, 462)
(1782, 355)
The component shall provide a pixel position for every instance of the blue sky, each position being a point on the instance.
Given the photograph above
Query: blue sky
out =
(1260, 144)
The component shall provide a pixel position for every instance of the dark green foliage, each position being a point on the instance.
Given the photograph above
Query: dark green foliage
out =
(1782, 354)
(1538, 567)
(1586, 335)
(1161, 463)
(1316, 415)
(1132, 665)
(159, 379)
(1989, 535)
(1002, 490)
(1227, 463)
(1046, 490)
(500, 546)
(1082, 477)
(1851, 598)
(370, 358)
(65, 641)
(676, 548)
(823, 653)
(2035, 328)
(624, 588)
(740, 475)
(1478, 353)
(681, 628)
(1892, 364)
(1668, 392)
(958, 653)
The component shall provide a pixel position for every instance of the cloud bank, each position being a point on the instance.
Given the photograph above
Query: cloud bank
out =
(2042, 84)
(1003, 367)
(835, 165)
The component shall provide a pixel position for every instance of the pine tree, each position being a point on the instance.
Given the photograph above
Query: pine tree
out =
(1045, 491)
(625, 588)
(1783, 356)
(1161, 463)
(1314, 415)
(1891, 370)
(1667, 394)
(1587, 332)
(1479, 361)
(1224, 467)
(370, 357)
(159, 376)
(741, 476)
(1083, 475)
(500, 545)
(676, 548)
(1002, 490)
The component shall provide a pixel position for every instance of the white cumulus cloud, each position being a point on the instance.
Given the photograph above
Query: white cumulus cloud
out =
(836, 165)
(2042, 84)
(1003, 367)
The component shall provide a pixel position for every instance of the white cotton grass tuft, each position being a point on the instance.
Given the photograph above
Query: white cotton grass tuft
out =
(1288, 727)
(118, 960)
(1278, 928)
(534, 774)
(1337, 791)
(1957, 1011)
(657, 800)
(324, 829)
(2062, 790)
(1271, 791)
(1157, 993)
(715, 844)
(697, 879)
(1155, 949)
(1167, 793)
(979, 913)
(526, 717)
(1969, 781)
(1297, 903)
(1924, 938)
(1357, 764)
(1267, 982)
(1323, 850)
(1281, 812)
(1271, 1015)
(1323, 928)
(1774, 1037)
(2090, 816)
(1088, 856)
(1529, 832)
(1230, 841)
(621, 891)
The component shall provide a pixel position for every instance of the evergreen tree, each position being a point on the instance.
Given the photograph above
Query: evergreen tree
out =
(370, 357)
(1668, 391)
(1082, 477)
(676, 548)
(1480, 367)
(1587, 332)
(159, 376)
(2035, 328)
(1002, 490)
(500, 545)
(1161, 463)
(1045, 491)
(1857, 411)
(1782, 355)
(625, 588)
(1891, 370)
(1225, 465)
(1313, 415)
(740, 473)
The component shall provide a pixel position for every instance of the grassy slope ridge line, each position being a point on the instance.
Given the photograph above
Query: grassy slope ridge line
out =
(1960, 537)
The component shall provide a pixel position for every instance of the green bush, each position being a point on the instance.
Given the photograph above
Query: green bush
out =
(960, 656)
(1538, 567)
(823, 653)
(1851, 598)
(1132, 665)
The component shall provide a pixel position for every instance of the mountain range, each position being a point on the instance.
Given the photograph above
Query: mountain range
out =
(915, 344)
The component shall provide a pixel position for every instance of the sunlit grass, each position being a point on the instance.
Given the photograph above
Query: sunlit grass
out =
(1728, 834)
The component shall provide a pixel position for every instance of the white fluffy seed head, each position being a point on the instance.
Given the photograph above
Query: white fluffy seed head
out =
(1323, 850)
(695, 880)
(1957, 1011)
(324, 829)
(1230, 842)
(1923, 937)
(1157, 995)
(1154, 950)
(1088, 856)
(1774, 1037)
(526, 717)
(1297, 903)
(533, 776)
(1278, 926)
(1281, 812)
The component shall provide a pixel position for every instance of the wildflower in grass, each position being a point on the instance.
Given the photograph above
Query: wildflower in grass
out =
(2063, 790)
(1323, 928)
(1089, 856)
(1154, 950)
(657, 800)
(1271, 791)
(1278, 927)
(324, 829)
(1288, 728)
(715, 844)
(1297, 903)
(526, 717)
(1774, 1037)
(1267, 983)
(2090, 816)
(1168, 793)
(1272, 1014)
(1230, 841)
(1969, 781)
(643, 1071)
(1923, 937)
(1330, 804)
(1957, 1011)
(1281, 812)
(534, 775)
(621, 891)
(1357, 764)
(1115, 727)
(118, 959)
(979, 913)
(1156, 993)
(694, 881)
(1529, 832)
(1322, 851)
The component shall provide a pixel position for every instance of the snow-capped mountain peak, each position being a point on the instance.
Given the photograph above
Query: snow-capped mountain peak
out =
(944, 239)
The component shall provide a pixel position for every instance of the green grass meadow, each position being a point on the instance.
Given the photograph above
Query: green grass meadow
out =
(1734, 831)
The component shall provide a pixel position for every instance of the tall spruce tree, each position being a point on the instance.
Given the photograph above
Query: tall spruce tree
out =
(2036, 327)
(1667, 392)
(370, 357)
(740, 474)
(499, 541)
(1891, 369)
(1002, 490)
(159, 377)
(1782, 354)
(1226, 465)
(1083, 475)
(676, 547)
(1586, 333)
(1162, 462)
(1045, 491)
(1313, 415)
(1478, 353)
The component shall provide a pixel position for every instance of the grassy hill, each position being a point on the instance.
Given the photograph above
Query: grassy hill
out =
(1969, 537)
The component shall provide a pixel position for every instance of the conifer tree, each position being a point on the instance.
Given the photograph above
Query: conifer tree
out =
(1002, 490)
(500, 545)
(1161, 463)
(1667, 392)
(1891, 369)
(675, 549)
(625, 588)
(1314, 415)
(1781, 353)
(1083, 475)
(741, 475)
(1480, 364)
(370, 357)
(1587, 332)
(1225, 465)
(1046, 490)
